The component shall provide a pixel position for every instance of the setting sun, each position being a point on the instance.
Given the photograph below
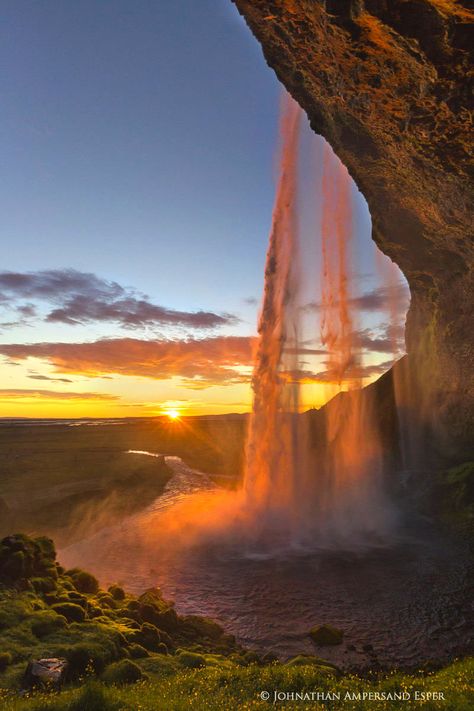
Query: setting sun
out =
(172, 414)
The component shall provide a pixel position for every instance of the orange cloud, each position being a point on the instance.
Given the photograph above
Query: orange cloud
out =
(200, 362)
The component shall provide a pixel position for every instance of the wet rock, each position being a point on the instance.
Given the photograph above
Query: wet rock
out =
(325, 635)
(45, 672)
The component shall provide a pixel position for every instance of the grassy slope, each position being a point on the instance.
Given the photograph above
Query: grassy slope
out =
(239, 688)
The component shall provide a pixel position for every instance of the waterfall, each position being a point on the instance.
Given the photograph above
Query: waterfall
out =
(312, 478)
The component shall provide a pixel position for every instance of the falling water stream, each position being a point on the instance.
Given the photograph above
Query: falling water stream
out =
(296, 492)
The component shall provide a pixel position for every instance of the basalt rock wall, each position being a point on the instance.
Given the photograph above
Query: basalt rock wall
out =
(389, 84)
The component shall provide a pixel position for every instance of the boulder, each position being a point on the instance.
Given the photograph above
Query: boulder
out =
(45, 672)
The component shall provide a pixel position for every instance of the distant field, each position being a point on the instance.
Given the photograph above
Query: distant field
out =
(60, 480)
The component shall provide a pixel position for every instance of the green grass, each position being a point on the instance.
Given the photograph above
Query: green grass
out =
(239, 688)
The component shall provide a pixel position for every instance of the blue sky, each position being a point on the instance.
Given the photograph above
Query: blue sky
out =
(138, 142)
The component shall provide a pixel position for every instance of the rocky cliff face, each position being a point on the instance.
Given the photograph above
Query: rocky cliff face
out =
(389, 84)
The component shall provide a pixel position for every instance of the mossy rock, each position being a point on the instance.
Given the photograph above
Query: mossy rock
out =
(106, 600)
(46, 623)
(22, 557)
(77, 598)
(117, 592)
(93, 609)
(199, 627)
(153, 596)
(325, 635)
(147, 636)
(83, 582)
(43, 585)
(191, 660)
(47, 547)
(89, 656)
(14, 567)
(71, 611)
(136, 651)
(168, 620)
(123, 672)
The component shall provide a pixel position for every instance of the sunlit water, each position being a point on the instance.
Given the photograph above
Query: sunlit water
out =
(410, 603)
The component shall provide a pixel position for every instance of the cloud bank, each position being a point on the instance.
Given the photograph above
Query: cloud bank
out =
(74, 297)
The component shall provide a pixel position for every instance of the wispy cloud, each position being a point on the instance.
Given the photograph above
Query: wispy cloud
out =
(37, 376)
(74, 297)
(26, 393)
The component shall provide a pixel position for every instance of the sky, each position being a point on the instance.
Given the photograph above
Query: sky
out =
(138, 159)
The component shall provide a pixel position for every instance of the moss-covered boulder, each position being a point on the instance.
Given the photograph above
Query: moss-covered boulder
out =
(47, 622)
(147, 636)
(117, 592)
(196, 627)
(71, 611)
(136, 651)
(83, 581)
(123, 672)
(23, 558)
(325, 635)
(191, 660)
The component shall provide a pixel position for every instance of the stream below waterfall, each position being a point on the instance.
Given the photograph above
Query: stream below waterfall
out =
(398, 606)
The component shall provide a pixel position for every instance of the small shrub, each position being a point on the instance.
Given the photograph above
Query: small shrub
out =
(71, 611)
(123, 672)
